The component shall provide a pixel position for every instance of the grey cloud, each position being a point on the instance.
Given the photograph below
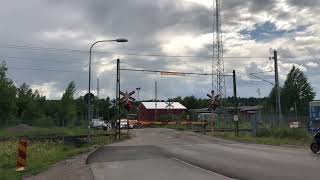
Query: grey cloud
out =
(138, 18)
(305, 3)
(139, 21)
(258, 5)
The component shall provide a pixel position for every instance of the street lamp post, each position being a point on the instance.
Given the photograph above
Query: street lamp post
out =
(138, 89)
(90, 55)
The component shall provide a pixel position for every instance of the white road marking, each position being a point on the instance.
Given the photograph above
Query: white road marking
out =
(205, 170)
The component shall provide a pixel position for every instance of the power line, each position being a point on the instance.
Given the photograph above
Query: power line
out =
(42, 69)
(37, 59)
(131, 65)
(37, 48)
(262, 72)
(172, 73)
(257, 77)
(169, 72)
(25, 47)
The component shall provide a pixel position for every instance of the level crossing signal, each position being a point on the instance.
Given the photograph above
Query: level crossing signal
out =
(214, 101)
(169, 105)
(127, 100)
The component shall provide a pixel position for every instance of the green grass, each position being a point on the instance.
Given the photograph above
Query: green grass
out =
(37, 131)
(276, 136)
(41, 155)
(297, 137)
(178, 127)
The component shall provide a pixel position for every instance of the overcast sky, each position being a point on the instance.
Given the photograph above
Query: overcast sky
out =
(34, 34)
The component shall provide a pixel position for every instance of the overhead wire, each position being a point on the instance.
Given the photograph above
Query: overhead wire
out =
(25, 47)
(169, 72)
(257, 77)
(37, 59)
(43, 69)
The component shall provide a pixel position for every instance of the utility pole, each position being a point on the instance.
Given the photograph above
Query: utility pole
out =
(138, 89)
(155, 95)
(118, 96)
(259, 95)
(114, 124)
(259, 105)
(277, 88)
(235, 99)
(97, 113)
(296, 111)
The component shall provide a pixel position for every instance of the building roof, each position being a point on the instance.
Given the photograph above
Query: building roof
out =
(250, 108)
(229, 109)
(162, 105)
(314, 103)
(201, 110)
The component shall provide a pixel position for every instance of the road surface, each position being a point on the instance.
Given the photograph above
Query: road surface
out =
(161, 154)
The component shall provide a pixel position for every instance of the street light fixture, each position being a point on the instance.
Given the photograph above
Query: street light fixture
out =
(121, 40)
(90, 56)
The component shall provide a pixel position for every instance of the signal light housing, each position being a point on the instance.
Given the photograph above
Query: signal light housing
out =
(128, 106)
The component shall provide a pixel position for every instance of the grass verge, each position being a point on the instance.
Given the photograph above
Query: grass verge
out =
(38, 131)
(277, 137)
(268, 136)
(41, 155)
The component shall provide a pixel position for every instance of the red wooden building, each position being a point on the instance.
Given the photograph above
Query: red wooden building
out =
(151, 111)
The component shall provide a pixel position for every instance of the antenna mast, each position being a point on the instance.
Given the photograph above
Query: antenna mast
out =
(221, 89)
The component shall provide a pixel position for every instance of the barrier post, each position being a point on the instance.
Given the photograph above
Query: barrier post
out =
(22, 155)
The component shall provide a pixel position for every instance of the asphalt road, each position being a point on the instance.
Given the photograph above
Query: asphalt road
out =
(161, 154)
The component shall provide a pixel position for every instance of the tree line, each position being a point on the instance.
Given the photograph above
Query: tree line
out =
(24, 105)
(296, 92)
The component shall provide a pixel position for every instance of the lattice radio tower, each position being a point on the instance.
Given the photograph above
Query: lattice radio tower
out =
(218, 51)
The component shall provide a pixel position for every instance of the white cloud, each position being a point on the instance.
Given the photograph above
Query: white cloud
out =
(48, 89)
(312, 64)
(62, 34)
(206, 3)
(183, 44)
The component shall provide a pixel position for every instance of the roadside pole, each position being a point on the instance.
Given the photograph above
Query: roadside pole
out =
(118, 97)
(114, 126)
(277, 88)
(155, 96)
(97, 109)
(128, 123)
(212, 115)
(296, 112)
(235, 99)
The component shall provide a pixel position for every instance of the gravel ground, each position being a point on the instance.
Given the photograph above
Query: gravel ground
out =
(70, 169)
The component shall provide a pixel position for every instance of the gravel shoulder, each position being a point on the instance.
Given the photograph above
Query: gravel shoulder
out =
(73, 168)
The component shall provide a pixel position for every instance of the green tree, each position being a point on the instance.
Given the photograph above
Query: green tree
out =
(190, 102)
(82, 111)
(105, 108)
(68, 106)
(25, 104)
(7, 97)
(297, 90)
(271, 102)
(30, 105)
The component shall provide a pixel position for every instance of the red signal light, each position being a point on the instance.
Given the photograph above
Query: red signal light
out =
(128, 106)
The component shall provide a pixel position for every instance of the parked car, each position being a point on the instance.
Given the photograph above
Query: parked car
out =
(124, 124)
(98, 123)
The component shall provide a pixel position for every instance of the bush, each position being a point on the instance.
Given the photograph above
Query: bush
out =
(45, 121)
